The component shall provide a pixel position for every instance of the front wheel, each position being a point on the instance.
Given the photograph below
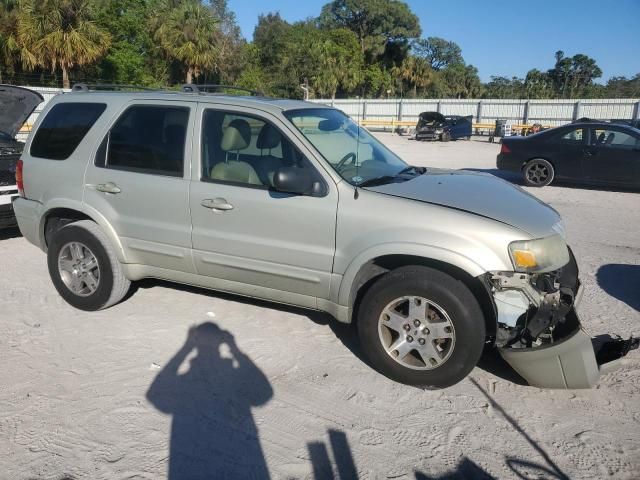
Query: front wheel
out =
(445, 137)
(538, 173)
(84, 267)
(422, 327)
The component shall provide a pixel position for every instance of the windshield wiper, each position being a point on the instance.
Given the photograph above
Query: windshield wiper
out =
(376, 181)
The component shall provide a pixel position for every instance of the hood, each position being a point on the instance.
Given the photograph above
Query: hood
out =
(481, 194)
(431, 118)
(16, 104)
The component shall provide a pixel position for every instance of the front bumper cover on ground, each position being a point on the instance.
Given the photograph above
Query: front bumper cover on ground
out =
(577, 361)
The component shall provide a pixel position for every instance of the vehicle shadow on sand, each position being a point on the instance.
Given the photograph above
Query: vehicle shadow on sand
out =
(213, 433)
(621, 281)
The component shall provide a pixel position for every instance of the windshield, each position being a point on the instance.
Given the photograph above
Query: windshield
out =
(335, 136)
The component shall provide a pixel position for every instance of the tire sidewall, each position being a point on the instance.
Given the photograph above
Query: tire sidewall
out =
(547, 164)
(452, 296)
(73, 233)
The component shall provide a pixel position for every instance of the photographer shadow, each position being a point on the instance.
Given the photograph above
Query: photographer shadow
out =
(213, 433)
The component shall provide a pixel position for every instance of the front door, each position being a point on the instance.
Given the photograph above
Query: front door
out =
(140, 182)
(243, 230)
(613, 156)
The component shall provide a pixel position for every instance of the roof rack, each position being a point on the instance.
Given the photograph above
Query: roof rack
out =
(83, 87)
(207, 88)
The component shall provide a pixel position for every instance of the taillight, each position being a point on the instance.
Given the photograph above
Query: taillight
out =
(504, 149)
(19, 178)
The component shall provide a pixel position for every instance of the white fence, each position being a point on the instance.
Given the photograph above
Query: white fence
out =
(546, 112)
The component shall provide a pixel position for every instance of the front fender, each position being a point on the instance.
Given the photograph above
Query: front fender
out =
(430, 252)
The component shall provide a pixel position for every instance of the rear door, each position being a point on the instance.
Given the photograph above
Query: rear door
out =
(139, 180)
(244, 231)
(565, 150)
(613, 156)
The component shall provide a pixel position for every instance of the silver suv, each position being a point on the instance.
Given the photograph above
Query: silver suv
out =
(293, 202)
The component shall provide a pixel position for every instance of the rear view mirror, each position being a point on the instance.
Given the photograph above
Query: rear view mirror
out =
(293, 180)
(329, 125)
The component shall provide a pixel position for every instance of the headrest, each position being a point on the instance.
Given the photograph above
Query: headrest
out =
(269, 137)
(237, 136)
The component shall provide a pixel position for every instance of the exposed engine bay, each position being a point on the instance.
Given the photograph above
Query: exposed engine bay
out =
(532, 308)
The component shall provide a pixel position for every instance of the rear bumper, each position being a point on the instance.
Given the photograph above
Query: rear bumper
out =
(509, 162)
(28, 214)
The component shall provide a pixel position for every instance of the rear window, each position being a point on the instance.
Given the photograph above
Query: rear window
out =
(63, 129)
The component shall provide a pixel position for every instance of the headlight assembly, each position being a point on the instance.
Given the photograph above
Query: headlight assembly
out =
(539, 255)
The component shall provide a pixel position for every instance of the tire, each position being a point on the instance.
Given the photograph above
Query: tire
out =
(538, 173)
(445, 137)
(448, 299)
(72, 252)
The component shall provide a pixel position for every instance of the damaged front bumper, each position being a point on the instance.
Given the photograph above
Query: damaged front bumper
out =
(539, 332)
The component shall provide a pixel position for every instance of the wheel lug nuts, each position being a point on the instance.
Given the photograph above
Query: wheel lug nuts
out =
(409, 339)
(416, 322)
(407, 327)
(421, 341)
(425, 331)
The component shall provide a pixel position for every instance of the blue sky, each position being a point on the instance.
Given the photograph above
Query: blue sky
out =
(506, 37)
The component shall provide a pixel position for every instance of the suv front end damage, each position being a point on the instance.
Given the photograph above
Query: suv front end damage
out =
(539, 333)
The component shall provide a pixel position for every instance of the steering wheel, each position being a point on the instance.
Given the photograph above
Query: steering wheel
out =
(343, 161)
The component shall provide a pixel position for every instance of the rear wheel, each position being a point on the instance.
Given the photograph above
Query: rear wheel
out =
(421, 327)
(538, 173)
(84, 268)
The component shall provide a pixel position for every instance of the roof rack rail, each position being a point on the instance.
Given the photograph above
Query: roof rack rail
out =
(84, 87)
(206, 88)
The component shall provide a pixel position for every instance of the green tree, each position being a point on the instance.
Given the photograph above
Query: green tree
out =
(133, 57)
(339, 62)
(622, 87)
(415, 73)
(571, 75)
(503, 87)
(380, 25)
(188, 33)
(461, 81)
(60, 34)
(437, 51)
(538, 84)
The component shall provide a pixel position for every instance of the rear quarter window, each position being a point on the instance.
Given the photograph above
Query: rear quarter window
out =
(63, 129)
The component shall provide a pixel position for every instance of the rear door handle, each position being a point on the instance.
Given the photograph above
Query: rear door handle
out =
(108, 187)
(589, 153)
(220, 204)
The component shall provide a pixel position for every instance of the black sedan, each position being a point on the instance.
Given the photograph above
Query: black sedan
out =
(590, 152)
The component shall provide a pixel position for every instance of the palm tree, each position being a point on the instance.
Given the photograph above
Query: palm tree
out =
(188, 33)
(60, 34)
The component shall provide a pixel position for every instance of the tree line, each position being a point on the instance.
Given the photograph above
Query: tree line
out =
(369, 48)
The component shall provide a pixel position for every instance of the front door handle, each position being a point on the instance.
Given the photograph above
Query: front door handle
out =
(108, 187)
(589, 153)
(216, 204)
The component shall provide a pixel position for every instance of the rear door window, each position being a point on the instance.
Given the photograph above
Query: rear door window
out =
(63, 129)
(575, 136)
(149, 139)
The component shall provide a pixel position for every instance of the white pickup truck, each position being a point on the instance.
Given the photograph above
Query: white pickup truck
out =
(16, 104)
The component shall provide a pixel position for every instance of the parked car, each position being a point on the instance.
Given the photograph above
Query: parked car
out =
(16, 104)
(598, 153)
(435, 126)
(293, 202)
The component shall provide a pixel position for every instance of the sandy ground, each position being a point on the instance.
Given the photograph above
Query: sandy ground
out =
(120, 394)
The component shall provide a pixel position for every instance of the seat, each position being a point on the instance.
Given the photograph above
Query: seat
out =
(600, 139)
(268, 139)
(235, 138)
(610, 139)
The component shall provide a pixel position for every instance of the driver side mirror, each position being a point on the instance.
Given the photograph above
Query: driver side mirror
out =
(294, 180)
